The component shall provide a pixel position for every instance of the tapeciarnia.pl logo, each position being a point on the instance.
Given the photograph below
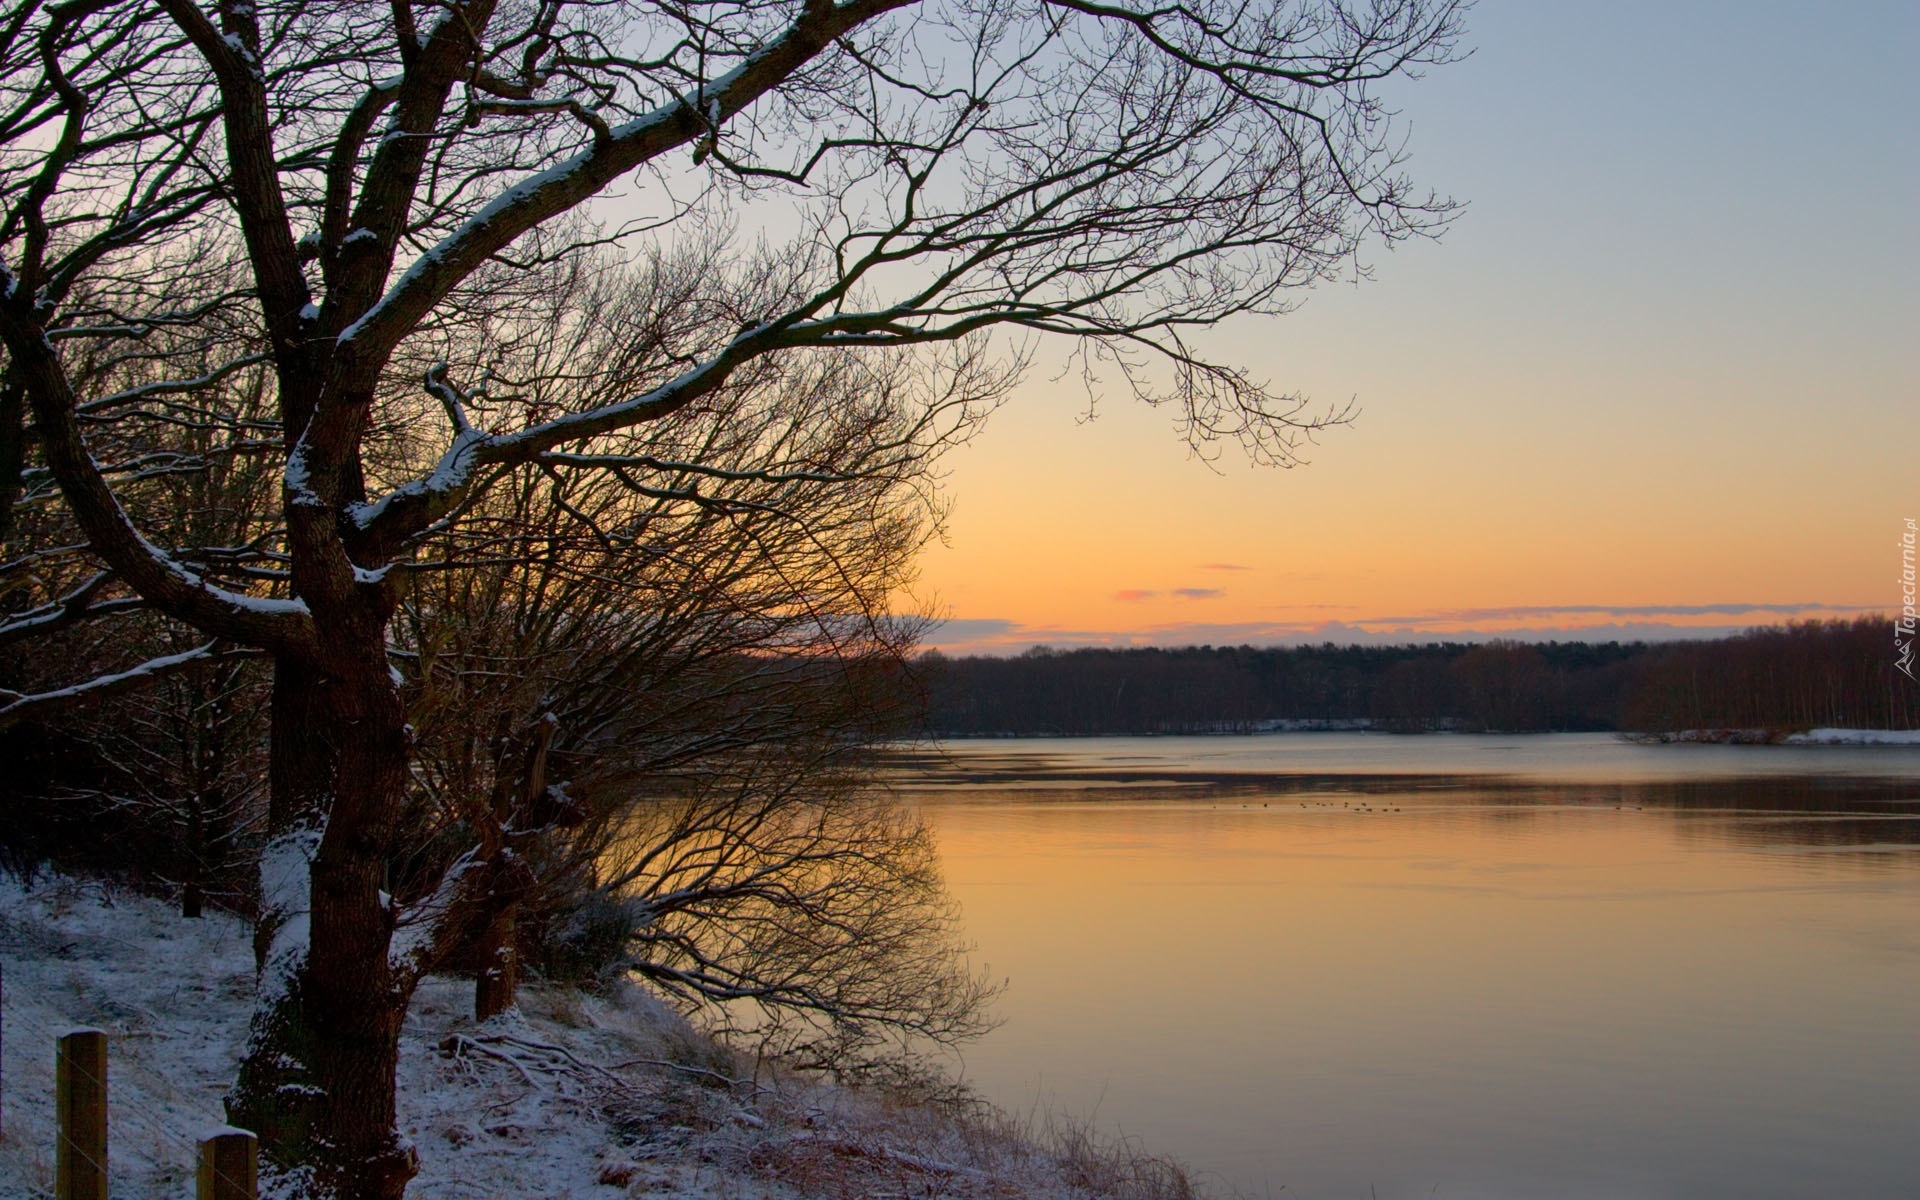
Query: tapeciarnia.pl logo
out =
(1903, 628)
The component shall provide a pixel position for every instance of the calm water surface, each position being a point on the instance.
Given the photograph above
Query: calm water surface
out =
(1350, 965)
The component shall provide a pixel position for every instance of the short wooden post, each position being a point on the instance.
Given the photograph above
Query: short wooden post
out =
(229, 1166)
(80, 1080)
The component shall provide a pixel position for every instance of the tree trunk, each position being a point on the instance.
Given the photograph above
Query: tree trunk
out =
(520, 781)
(317, 1084)
(13, 448)
(499, 975)
(193, 890)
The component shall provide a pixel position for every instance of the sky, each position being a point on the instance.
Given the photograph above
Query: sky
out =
(1657, 380)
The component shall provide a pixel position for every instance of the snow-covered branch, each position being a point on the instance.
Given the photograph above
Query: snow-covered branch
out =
(15, 707)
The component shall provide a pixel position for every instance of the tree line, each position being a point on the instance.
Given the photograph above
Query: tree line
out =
(1798, 676)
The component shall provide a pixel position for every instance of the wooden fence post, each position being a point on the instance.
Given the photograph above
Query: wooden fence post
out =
(80, 1083)
(229, 1165)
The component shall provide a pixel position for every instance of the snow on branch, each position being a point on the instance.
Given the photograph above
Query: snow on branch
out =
(18, 707)
(672, 467)
(563, 186)
(170, 387)
(422, 929)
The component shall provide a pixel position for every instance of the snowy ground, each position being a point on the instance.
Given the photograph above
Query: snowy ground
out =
(572, 1096)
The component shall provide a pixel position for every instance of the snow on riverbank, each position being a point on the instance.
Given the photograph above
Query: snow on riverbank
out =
(1854, 737)
(1780, 737)
(575, 1096)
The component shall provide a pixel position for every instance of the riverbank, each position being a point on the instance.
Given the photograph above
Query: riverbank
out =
(573, 1095)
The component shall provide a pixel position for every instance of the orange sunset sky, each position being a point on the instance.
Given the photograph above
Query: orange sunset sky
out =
(1659, 376)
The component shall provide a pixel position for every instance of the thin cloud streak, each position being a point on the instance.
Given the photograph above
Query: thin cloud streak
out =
(1620, 610)
(1136, 595)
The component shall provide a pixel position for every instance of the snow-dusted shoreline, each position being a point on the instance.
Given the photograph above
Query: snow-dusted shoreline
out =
(1854, 737)
(575, 1096)
(1781, 737)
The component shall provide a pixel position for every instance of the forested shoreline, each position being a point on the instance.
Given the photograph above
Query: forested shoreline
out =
(1798, 676)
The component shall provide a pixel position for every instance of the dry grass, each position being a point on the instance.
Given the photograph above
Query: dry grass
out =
(763, 1131)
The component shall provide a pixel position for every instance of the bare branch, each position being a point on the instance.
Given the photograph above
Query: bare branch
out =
(15, 707)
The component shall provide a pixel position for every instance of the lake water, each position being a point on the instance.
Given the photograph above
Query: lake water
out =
(1539, 968)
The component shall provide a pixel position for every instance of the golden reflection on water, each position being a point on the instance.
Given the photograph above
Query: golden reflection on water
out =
(1694, 988)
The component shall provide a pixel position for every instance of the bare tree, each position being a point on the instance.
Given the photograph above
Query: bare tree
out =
(584, 650)
(1118, 176)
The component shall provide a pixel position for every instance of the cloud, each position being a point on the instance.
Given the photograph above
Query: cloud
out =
(970, 629)
(1224, 567)
(1617, 611)
(1136, 595)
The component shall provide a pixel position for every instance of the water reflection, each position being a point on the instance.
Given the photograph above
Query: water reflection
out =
(1851, 808)
(1560, 758)
(1629, 983)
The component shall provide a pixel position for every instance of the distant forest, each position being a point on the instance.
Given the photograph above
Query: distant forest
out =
(1799, 676)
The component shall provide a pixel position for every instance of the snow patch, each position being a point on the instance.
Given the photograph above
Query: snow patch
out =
(298, 475)
(286, 864)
